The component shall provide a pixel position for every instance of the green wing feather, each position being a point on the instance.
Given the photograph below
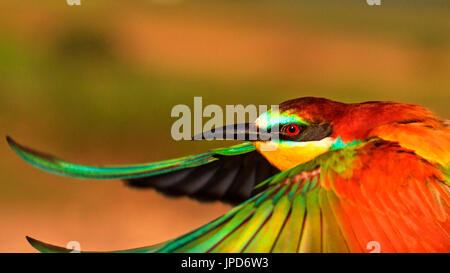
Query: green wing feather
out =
(58, 166)
(329, 205)
(285, 217)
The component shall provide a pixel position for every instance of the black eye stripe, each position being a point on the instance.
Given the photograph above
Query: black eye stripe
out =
(311, 132)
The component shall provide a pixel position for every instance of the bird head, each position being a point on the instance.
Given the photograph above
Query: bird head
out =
(302, 129)
(299, 130)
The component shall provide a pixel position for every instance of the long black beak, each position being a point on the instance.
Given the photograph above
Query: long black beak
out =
(242, 131)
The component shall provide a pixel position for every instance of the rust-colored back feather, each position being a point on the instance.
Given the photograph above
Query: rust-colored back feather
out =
(428, 138)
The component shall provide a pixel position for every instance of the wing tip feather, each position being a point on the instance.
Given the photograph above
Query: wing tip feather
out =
(12, 143)
(46, 248)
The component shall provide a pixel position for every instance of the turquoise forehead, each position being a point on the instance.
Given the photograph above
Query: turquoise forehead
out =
(272, 118)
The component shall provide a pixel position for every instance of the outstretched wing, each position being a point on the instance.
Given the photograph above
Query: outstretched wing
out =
(374, 196)
(226, 174)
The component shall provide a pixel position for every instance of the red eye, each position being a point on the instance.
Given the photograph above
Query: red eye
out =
(292, 129)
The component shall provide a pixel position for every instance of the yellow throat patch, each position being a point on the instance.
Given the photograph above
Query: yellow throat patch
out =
(285, 156)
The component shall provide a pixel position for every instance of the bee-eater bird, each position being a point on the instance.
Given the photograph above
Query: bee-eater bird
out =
(342, 178)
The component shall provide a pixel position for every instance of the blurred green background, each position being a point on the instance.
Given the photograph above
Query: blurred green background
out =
(95, 84)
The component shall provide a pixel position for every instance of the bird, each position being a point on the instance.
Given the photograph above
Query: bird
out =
(341, 177)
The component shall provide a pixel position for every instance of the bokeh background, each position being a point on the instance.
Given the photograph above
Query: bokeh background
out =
(96, 83)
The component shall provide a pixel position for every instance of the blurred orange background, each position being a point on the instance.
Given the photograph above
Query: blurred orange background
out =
(95, 84)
